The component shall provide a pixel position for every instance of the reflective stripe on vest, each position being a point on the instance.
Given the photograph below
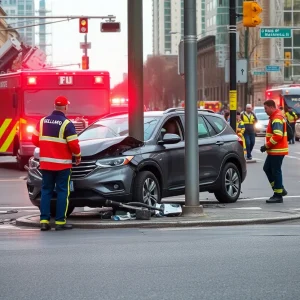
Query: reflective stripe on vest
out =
(55, 160)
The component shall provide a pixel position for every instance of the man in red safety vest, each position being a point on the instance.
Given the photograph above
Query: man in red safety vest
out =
(56, 137)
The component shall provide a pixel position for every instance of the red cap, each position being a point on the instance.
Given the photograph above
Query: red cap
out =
(61, 101)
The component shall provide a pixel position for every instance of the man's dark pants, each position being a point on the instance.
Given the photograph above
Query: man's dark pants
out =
(250, 142)
(272, 168)
(293, 125)
(59, 180)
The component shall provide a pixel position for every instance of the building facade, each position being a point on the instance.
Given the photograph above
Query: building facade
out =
(21, 8)
(168, 24)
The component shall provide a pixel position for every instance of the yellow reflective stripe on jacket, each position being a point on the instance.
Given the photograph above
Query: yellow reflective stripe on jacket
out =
(52, 139)
(277, 121)
(269, 134)
(62, 128)
(278, 132)
(272, 141)
(72, 138)
(278, 150)
(41, 126)
(77, 155)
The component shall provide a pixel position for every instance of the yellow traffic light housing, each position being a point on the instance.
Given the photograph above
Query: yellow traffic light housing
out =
(251, 11)
(287, 59)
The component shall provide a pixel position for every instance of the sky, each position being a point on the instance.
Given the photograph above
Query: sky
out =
(109, 50)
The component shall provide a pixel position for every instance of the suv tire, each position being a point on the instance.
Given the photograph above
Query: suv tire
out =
(146, 189)
(230, 184)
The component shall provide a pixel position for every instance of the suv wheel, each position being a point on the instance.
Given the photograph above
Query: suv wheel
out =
(146, 189)
(230, 184)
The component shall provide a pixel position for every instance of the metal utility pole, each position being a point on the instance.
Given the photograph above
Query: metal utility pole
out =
(85, 43)
(246, 100)
(192, 202)
(135, 69)
(232, 86)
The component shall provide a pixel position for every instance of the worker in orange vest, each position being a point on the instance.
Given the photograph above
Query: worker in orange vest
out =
(276, 147)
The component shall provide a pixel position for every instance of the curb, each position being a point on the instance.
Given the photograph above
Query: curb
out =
(24, 221)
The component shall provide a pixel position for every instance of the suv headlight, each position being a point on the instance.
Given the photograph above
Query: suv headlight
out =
(114, 161)
(33, 164)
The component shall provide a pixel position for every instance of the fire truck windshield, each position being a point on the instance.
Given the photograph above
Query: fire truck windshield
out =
(82, 102)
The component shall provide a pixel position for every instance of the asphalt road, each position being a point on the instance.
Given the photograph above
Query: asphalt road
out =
(234, 263)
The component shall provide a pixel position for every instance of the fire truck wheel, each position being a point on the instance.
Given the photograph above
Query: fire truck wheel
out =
(21, 162)
(53, 210)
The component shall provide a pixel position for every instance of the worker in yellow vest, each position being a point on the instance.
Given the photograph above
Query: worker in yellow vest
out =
(292, 118)
(240, 130)
(249, 119)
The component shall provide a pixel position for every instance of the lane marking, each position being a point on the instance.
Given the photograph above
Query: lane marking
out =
(249, 208)
(12, 180)
(18, 207)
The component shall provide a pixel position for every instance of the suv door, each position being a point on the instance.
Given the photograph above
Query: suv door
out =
(173, 156)
(210, 152)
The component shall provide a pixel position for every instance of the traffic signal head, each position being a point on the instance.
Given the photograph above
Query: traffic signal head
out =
(287, 59)
(85, 63)
(251, 11)
(83, 25)
(110, 27)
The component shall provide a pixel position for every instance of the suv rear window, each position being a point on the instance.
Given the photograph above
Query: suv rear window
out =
(217, 123)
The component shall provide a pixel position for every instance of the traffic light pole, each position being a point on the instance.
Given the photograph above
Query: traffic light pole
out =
(246, 100)
(232, 41)
(135, 69)
(192, 202)
(85, 42)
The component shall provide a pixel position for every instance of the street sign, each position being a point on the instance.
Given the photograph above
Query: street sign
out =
(259, 73)
(85, 45)
(272, 68)
(241, 71)
(266, 33)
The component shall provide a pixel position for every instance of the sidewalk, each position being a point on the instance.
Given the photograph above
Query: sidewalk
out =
(214, 215)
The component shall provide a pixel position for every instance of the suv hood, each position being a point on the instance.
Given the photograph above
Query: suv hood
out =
(104, 147)
(109, 147)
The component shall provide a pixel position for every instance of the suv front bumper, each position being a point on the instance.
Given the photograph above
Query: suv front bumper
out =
(92, 190)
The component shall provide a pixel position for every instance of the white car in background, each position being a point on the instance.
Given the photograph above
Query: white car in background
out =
(258, 109)
(261, 124)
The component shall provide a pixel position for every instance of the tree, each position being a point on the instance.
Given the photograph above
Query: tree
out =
(162, 84)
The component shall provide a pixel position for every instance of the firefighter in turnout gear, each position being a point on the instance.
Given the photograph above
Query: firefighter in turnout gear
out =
(276, 147)
(56, 137)
(292, 118)
(240, 130)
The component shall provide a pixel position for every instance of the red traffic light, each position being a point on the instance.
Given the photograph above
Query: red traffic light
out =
(83, 25)
(85, 63)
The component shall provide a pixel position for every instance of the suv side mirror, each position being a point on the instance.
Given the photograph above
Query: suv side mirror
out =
(170, 138)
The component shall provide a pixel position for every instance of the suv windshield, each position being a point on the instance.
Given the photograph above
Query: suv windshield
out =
(117, 126)
(82, 102)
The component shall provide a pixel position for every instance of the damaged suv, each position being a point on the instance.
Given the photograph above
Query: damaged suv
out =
(118, 167)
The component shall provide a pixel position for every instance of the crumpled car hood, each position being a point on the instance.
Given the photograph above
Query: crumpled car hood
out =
(105, 147)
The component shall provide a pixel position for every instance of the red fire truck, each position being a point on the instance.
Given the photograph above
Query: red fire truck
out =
(27, 96)
(285, 96)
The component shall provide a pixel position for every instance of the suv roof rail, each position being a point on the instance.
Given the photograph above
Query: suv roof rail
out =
(174, 109)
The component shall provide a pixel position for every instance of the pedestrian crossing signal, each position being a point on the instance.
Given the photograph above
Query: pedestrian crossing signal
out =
(287, 59)
(85, 63)
(251, 11)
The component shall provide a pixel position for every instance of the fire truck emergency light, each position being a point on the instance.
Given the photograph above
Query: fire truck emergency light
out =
(110, 27)
(31, 80)
(98, 79)
(30, 129)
